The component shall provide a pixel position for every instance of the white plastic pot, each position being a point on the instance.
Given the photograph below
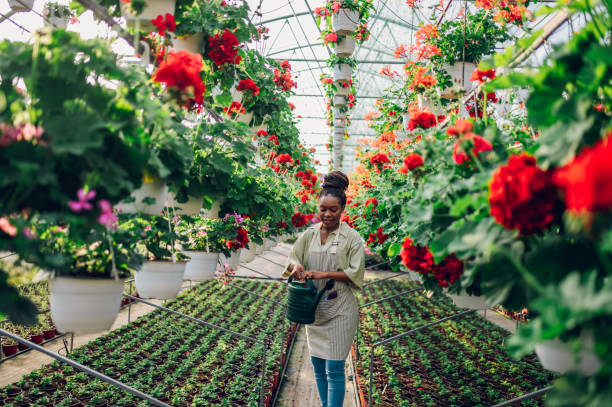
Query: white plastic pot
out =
(190, 43)
(58, 22)
(191, 207)
(465, 300)
(345, 21)
(345, 47)
(557, 356)
(342, 90)
(149, 13)
(84, 305)
(237, 95)
(342, 72)
(259, 249)
(244, 117)
(21, 5)
(156, 189)
(247, 254)
(414, 276)
(340, 101)
(160, 279)
(268, 244)
(460, 74)
(233, 261)
(338, 114)
(202, 266)
(213, 212)
(340, 124)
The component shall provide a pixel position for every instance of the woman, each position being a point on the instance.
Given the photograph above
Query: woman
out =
(331, 250)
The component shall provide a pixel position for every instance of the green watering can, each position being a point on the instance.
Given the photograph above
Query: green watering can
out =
(303, 299)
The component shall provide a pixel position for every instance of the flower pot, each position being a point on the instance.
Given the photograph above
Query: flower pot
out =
(37, 339)
(339, 115)
(237, 95)
(244, 117)
(340, 101)
(149, 13)
(160, 279)
(268, 244)
(49, 333)
(84, 305)
(191, 207)
(156, 189)
(233, 261)
(414, 276)
(557, 356)
(21, 5)
(465, 300)
(460, 73)
(345, 47)
(247, 254)
(202, 266)
(21, 346)
(345, 21)
(342, 72)
(190, 43)
(213, 212)
(340, 124)
(342, 90)
(257, 129)
(9, 350)
(259, 249)
(426, 104)
(58, 22)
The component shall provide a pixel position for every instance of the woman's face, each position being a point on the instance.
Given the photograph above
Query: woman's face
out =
(330, 210)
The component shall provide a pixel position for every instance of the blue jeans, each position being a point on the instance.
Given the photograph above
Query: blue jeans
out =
(329, 375)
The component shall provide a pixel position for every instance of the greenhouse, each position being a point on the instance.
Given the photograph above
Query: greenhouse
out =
(305, 203)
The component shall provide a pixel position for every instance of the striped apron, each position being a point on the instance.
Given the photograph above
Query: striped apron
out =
(336, 317)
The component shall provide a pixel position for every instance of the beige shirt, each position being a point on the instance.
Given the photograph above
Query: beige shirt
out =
(351, 252)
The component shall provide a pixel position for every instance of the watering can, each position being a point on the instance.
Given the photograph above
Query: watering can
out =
(303, 299)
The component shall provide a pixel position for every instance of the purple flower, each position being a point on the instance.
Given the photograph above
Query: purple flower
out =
(83, 202)
(29, 233)
(107, 217)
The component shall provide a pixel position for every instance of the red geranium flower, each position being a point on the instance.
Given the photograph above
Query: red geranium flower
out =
(299, 220)
(248, 84)
(461, 127)
(411, 162)
(284, 159)
(181, 72)
(423, 119)
(482, 76)
(162, 25)
(379, 158)
(481, 144)
(448, 271)
(416, 258)
(522, 196)
(234, 109)
(224, 48)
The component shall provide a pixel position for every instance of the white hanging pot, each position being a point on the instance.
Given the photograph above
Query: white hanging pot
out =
(342, 72)
(342, 90)
(58, 22)
(460, 72)
(156, 189)
(247, 254)
(427, 104)
(84, 305)
(340, 124)
(345, 47)
(557, 356)
(268, 244)
(244, 117)
(202, 266)
(161, 280)
(21, 5)
(233, 261)
(338, 114)
(257, 129)
(213, 212)
(150, 12)
(465, 300)
(191, 207)
(190, 43)
(414, 276)
(237, 95)
(340, 101)
(345, 21)
(259, 249)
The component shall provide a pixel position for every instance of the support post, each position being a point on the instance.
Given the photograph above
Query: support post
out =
(524, 397)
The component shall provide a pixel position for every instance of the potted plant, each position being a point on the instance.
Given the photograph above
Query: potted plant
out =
(57, 14)
(141, 13)
(9, 346)
(238, 238)
(342, 67)
(149, 199)
(21, 5)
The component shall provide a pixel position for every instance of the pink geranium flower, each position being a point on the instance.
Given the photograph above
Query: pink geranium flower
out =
(107, 216)
(83, 200)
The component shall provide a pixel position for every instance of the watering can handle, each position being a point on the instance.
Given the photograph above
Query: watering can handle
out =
(307, 281)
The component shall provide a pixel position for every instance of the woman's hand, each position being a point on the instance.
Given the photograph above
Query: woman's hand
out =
(297, 272)
(315, 275)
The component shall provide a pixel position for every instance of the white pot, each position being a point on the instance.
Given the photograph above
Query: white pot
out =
(342, 72)
(160, 279)
(342, 90)
(345, 21)
(202, 266)
(268, 244)
(156, 189)
(259, 249)
(460, 74)
(58, 22)
(257, 129)
(414, 276)
(426, 104)
(244, 117)
(21, 5)
(557, 356)
(213, 212)
(340, 101)
(149, 13)
(345, 47)
(339, 115)
(237, 95)
(465, 300)
(191, 207)
(233, 261)
(190, 43)
(84, 305)
(247, 254)
(340, 124)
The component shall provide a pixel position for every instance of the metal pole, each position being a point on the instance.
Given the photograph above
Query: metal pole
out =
(384, 279)
(525, 397)
(85, 369)
(255, 294)
(255, 271)
(130, 303)
(71, 341)
(271, 261)
(376, 265)
(263, 376)
(370, 389)
(391, 296)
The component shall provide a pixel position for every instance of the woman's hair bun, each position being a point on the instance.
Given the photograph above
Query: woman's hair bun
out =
(336, 180)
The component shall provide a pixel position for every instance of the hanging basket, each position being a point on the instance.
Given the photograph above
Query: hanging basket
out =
(345, 47)
(190, 43)
(84, 305)
(340, 124)
(156, 189)
(161, 280)
(247, 254)
(58, 22)
(338, 114)
(258, 128)
(21, 5)
(460, 74)
(465, 300)
(191, 208)
(150, 12)
(342, 90)
(202, 266)
(557, 356)
(244, 117)
(233, 260)
(340, 101)
(342, 72)
(345, 21)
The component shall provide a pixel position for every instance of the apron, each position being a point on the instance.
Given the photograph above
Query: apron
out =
(337, 315)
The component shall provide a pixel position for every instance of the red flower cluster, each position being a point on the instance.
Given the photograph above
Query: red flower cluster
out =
(482, 76)
(377, 238)
(181, 72)
(262, 133)
(274, 139)
(379, 159)
(461, 127)
(411, 162)
(416, 258)
(522, 196)
(321, 12)
(234, 109)
(330, 37)
(448, 270)
(300, 219)
(423, 119)
(248, 84)
(242, 239)
(281, 225)
(309, 182)
(224, 48)
(162, 24)
(349, 221)
(586, 181)
(284, 159)
(481, 144)
(282, 77)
